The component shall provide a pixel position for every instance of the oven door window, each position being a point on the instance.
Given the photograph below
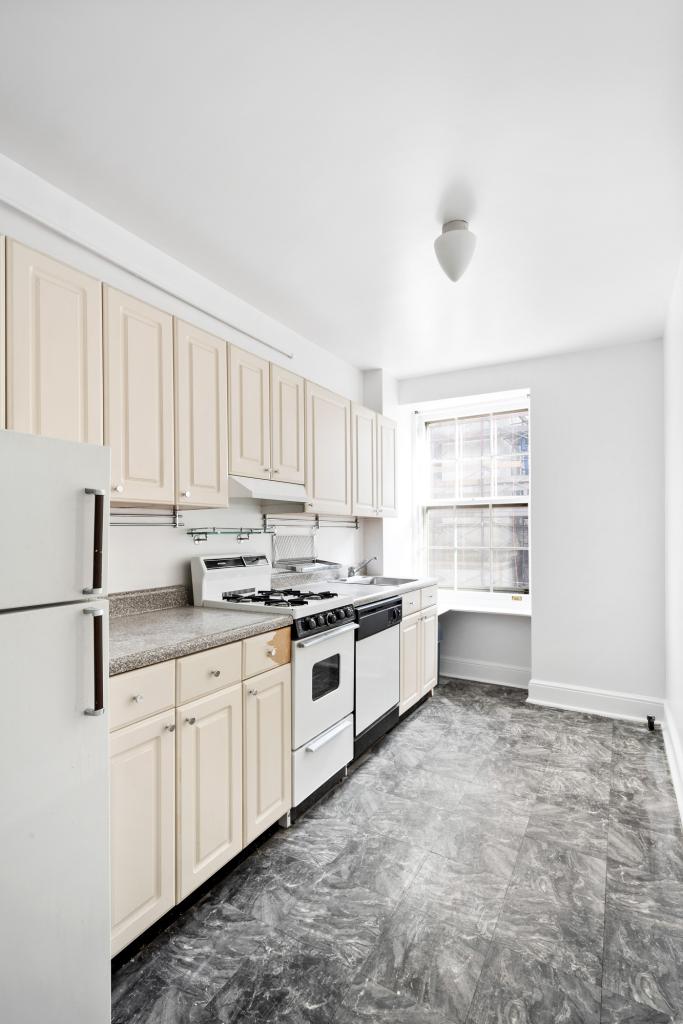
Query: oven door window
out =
(326, 676)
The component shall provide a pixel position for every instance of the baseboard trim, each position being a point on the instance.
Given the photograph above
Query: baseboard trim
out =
(609, 703)
(485, 671)
(674, 752)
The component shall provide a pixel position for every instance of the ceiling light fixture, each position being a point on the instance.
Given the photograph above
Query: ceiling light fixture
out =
(454, 248)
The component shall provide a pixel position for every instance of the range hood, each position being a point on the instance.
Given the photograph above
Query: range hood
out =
(266, 490)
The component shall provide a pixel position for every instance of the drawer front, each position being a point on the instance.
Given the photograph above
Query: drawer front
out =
(316, 762)
(200, 674)
(261, 653)
(139, 694)
(411, 602)
(429, 597)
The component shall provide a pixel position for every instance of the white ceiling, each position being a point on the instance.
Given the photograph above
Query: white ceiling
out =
(304, 154)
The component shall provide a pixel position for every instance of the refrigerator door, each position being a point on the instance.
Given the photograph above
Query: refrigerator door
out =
(54, 882)
(54, 517)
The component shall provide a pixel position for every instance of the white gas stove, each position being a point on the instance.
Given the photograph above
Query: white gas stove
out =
(323, 657)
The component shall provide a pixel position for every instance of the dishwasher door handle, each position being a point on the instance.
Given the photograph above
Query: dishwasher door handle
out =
(328, 736)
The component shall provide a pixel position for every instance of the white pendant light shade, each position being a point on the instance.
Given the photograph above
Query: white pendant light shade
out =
(454, 248)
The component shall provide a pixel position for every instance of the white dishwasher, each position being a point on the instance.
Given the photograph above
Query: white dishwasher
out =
(377, 671)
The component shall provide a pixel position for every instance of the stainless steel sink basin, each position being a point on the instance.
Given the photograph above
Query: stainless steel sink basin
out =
(377, 581)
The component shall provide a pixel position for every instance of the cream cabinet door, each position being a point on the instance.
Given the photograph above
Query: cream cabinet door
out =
(364, 460)
(201, 418)
(209, 820)
(2, 331)
(411, 671)
(328, 451)
(249, 415)
(54, 348)
(138, 349)
(287, 426)
(267, 750)
(386, 466)
(429, 668)
(142, 826)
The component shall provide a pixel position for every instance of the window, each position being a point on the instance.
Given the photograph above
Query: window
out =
(474, 468)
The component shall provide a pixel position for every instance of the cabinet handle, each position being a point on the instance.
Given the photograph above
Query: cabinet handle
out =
(215, 672)
(190, 721)
(119, 488)
(253, 693)
(98, 542)
(187, 494)
(98, 660)
(169, 728)
(275, 471)
(138, 698)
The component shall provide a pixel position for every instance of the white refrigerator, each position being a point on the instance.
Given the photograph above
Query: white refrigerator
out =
(54, 790)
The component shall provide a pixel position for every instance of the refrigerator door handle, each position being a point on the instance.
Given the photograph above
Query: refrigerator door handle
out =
(98, 542)
(98, 660)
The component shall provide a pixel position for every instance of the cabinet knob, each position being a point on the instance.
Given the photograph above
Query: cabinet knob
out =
(119, 488)
(169, 728)
(276, 471)
(271, 652)
(138, 698)
(253, 693)
(187, 494)
(190, 721)
(215, 672)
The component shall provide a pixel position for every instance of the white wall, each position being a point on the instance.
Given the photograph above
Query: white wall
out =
(673, 376)
(596, 506)
(155, 556)
(491, 648)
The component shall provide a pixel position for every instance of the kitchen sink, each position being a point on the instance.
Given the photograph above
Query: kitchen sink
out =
(377, 581)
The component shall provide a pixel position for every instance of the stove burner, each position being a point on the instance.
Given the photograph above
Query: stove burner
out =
(271, 598)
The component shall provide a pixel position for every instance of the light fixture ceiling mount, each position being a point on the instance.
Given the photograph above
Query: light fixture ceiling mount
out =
(454, 248)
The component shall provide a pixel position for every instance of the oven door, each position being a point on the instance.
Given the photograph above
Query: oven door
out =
(322, 682)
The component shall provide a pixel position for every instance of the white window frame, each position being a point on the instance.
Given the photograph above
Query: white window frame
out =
(458, 409)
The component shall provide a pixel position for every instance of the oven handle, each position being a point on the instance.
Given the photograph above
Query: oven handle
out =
(332, 635)
(328, 736)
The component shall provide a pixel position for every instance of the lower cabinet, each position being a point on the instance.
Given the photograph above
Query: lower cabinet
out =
(209, 786)
(191, 786)
(418, 657)
(267, 750)
(142, 826)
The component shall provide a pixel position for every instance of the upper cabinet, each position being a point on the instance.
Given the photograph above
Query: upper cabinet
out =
(249, 415)
(328, 451)
(201, 418)
(287, 420)
(138, 349)
(386, 466)
(364, 448)
(54, 348)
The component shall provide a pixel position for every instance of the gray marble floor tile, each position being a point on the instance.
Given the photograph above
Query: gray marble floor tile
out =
(641, 798)
(320, 840)
(368, 1001)
(580, 826)
(645, 871)
(386, 867)
(157, 1002)
(578, 745)
(436, 964)
(588, 784)
(621, 1010)
(643, 961)
(518, 989)
(465, 836)
(571, 880)
(634, 742)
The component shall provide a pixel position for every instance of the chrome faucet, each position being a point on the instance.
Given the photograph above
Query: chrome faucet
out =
(355, 569)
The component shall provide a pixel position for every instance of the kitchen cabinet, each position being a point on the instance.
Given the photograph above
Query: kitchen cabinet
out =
(328, 451)
(138, 351)
(386, 466)
(288, 462)
(250, 451)
(364, 457)
(201, 418)
(54, 348)
(209, 818)
(429, 668)
(410, 662)
(2, 331)
(267, 750)
(142, 826)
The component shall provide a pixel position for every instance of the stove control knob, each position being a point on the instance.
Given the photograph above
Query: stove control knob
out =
(310, 623)
(331, 617)
(321, 619)
(349, 612)
(340, 613)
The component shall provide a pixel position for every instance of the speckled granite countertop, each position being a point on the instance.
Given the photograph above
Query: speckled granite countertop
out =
(150, 637)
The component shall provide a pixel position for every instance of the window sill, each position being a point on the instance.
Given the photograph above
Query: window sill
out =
(488, 604)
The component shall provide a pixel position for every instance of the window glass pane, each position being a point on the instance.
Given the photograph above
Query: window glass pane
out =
(475, 478)
(512, 476)
(473, 569)
(510, 571)
(475, 436)
(440, 538)
(472, 527)
(441, 448)
(510, 527)
(512, 433)
(442, 480)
